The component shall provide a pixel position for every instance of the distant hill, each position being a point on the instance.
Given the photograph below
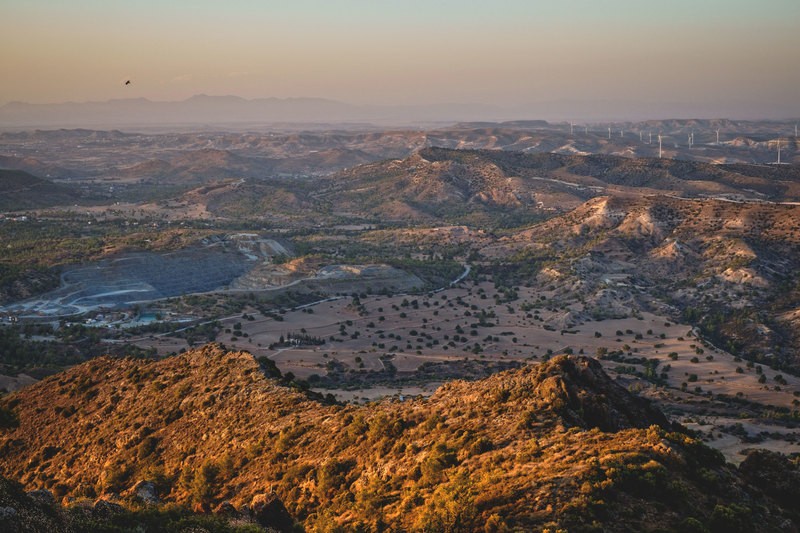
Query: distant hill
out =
(221, 110)
(37, 167)
(199, 166)
(683, 177)
(197, 109)
(447, 184)
(20, 190)
(252, 198)
(557, 445)
(727, 267)
(174, 157)
(228, 110)
(196, 167)
(455, 186)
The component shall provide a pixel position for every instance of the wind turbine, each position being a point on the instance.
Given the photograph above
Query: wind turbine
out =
(650, 137)
(570, 127)
(660, 153)
(779, 151)
(609, 132)
(640, 136)
(717, 136)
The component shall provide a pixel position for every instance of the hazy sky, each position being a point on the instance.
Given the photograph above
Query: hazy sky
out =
(506, 52)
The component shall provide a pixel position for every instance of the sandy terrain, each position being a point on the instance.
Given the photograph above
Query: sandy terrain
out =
(734, 448)
(441, 329)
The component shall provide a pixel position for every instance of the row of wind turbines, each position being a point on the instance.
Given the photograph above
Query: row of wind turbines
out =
(690, 139)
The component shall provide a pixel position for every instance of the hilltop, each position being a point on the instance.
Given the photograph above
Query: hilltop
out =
(557, 445)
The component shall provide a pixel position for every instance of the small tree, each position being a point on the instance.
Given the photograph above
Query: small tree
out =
(204, 484)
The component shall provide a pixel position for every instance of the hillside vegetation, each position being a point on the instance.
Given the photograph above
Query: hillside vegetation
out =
(557, 445)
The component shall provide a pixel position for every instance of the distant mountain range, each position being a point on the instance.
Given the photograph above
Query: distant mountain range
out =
(205, 110)
(228, 110)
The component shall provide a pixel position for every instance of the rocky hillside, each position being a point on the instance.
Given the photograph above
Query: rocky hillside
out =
(274, 197)
(451, 185)
(556, 445)
(438, 183)
(728, 267)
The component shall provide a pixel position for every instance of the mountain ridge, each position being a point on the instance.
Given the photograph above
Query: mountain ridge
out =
(459, 185)
(203, 109)
(616, 112)
(553, 445)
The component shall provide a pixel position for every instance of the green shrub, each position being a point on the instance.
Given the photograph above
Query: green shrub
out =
(8, 418)
(205, 481)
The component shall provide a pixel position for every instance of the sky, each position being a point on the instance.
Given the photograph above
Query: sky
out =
(699, 53)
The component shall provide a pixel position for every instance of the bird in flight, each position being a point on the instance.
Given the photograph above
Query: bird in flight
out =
(128, 82)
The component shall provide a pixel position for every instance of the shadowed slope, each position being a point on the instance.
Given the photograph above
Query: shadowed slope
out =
(20, 190)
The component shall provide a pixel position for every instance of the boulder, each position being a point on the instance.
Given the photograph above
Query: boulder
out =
(226, 508)
(145, 491)
(106, 509)
(43, 497)
(268, 510)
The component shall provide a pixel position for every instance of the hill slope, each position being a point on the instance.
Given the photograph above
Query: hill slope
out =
(439, 183)
(727, 267)
(20, 190)
(554, 445)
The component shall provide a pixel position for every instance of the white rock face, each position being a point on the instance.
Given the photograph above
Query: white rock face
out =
(146, 492)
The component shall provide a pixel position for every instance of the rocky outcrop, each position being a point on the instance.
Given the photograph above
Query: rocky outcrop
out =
(579, 389)
(145, 491)
(268, 510)
(21, 512)
(773, 473)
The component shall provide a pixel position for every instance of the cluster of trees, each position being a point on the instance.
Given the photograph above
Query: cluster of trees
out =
(297, 339)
